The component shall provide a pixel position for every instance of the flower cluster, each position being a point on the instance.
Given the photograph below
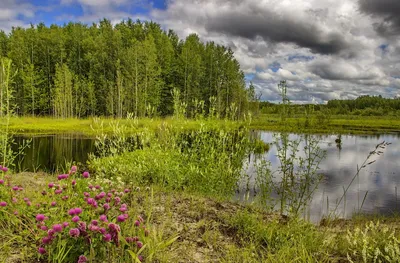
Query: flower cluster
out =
(82, 215)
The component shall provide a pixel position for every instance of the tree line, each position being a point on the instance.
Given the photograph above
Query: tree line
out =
(79, 70)
(365, 105)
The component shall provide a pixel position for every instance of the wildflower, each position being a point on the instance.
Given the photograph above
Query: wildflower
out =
(140, 257)
(1, 181)
(58, 191)
(51, 185)
(130, 239)
(123, 208)
(85, 174)
(78, 211)
(126, 190)
(90, 201)
(82, 259)
(74, 169)
(73, 182)
(16, 212)
(75, 219)
(109, 194)
(29, 203)
(107, 237)
(41, 250)
(65, 197)
(53, 203)
(82, 226)
(95, 222)
(15, 188)
(103, 218)
(106, 206)
(46, 240)
(40, 217)
(4, 169)
(57, 228)
(44, 193)
(121, 218)
(102, 230)
(97, 187)
(108, 199)
(117, 200)
(14, 200)
(94, 204)
(139, 244)
(51, 232)
(100, 196)
(65, 224)
(137, 223)
(93, 228)
(74, 232)
(44, 228)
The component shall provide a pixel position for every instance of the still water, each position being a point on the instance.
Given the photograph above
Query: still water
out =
(51, 153)
(381, 179)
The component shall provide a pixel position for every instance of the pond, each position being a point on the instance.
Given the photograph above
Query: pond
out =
(379, 180)
(51, 153)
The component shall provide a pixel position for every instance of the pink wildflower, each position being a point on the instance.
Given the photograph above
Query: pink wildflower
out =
(40, 217)
(41, 250)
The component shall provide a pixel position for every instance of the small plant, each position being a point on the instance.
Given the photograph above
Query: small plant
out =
(374, 243)
(77, 219)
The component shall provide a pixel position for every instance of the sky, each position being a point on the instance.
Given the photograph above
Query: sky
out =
(325, 49)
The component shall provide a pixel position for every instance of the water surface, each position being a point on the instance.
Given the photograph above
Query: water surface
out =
(379, 180)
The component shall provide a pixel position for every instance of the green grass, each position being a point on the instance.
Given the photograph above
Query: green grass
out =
(47, 125)
(210, 230)
(328, 124)
(272, 122)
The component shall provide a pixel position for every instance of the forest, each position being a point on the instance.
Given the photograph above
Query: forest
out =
(365, 105)
(136, 68)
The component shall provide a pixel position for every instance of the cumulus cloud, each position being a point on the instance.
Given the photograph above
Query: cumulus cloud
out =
(13, 12)
(388, 13)
(326, 49)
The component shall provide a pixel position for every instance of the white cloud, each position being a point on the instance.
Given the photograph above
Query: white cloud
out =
(337, 46)
(12, 12)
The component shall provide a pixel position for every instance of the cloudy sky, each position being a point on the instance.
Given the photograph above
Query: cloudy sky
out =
(326, 49)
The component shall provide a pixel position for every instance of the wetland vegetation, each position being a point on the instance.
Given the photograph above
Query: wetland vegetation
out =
(172, 134)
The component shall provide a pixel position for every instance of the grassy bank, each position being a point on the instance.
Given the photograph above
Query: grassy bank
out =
(84, 126)
(190, 228)
(313, 124)
(338, 124)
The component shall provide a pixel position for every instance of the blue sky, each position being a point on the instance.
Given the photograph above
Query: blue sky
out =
(330, 48)
(63, 11)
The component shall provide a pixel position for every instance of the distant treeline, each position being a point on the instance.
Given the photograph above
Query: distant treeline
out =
(78, 70)
(363, 105)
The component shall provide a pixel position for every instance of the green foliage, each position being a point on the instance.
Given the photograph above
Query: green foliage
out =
(296, 179)
(204, 160)
(107, 227)
(76, 70)
(374, 243)
(274, 241)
